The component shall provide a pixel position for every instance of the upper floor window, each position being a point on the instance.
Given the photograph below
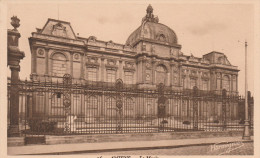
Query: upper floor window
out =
(234, 82)
(204, 85)
(193, 82)
(226, 83)
(92, 73)
(111, 75)
(129, 77)
(161, 74)
(59, 65)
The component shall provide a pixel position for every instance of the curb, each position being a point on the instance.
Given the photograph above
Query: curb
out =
(135, 148)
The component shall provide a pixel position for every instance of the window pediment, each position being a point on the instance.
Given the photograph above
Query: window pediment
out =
(129, 66)
(111, 64)
(205, 76)
(193, 74)
(113, 67)
(92, 65)
(92, 62)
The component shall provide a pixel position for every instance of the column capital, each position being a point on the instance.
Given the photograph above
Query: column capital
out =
(14, 67)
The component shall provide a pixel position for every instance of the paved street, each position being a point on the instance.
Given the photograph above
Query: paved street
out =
(235, 149)
(202, 146)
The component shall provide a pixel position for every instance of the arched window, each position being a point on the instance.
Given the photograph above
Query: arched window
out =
(59, 65)
(161, 74)
(226, 83)
(162, 37)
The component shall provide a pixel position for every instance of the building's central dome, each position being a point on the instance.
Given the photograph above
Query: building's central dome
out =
(152, 30)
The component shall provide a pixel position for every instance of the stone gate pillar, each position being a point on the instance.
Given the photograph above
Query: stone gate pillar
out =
(14, 55)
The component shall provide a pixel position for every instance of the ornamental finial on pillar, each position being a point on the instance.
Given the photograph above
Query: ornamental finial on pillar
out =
(15, 22)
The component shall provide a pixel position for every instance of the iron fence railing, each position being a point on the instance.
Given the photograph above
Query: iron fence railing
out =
(61, 108)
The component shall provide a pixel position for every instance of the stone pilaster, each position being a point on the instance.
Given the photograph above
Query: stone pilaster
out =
(34, 61)
(46, 62)
(120, 69)
(102, 69)
(143, 71)
(236, 83)
(153, 72)
(171, 74)
(71, 64)
(82, 72)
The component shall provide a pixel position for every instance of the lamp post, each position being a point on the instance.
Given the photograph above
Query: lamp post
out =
(246, 134)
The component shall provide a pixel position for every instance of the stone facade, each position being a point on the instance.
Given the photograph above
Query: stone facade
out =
(150, 56)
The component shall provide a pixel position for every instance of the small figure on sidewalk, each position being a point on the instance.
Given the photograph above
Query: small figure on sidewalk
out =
(69, 124)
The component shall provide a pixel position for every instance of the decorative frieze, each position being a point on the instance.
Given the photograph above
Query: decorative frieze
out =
(111, 63)
(40, 52)
(92, 62)
(205, 76)
(129, 66)
(76, 57)
(193, 74)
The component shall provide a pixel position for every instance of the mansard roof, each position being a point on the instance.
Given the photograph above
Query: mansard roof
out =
(58, 28)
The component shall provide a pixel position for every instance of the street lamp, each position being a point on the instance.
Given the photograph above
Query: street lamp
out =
(246, 134)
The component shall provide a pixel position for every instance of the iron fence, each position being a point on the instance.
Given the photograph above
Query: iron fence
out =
(61, 108)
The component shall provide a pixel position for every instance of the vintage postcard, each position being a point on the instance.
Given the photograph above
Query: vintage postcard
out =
(129, 79)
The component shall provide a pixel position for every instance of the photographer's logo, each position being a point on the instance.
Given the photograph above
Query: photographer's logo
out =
(224, 147)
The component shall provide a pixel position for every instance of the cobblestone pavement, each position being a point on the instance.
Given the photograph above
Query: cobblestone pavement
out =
(218, 149)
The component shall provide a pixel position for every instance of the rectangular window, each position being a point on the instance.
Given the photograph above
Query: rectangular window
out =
(205, 85)
(92, 74)
(129, 77)
(234, 85)
(218, 84)
(192, 83)
(111, 75)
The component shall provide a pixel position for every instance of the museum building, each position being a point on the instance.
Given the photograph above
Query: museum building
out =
(151, 55)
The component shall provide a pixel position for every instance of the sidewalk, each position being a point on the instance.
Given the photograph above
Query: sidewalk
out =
(116, 146)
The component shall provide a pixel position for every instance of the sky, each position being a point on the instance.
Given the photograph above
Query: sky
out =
(200, 27)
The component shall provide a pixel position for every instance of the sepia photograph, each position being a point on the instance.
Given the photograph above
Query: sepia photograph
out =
(129, 79)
